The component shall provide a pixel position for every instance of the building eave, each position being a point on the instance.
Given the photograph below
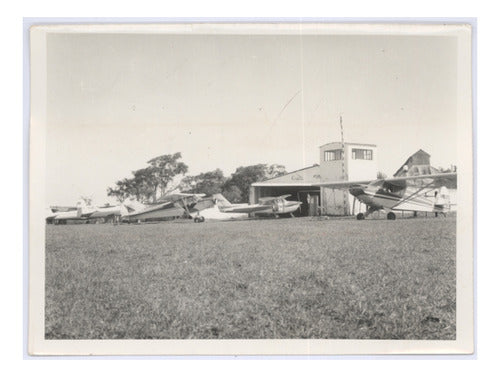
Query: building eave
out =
(348, 143)
(289, 173)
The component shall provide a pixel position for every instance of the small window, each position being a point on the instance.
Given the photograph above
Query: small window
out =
(362, 154)
(333, 155)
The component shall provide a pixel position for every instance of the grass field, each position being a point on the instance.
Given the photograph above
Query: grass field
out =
(267, 279)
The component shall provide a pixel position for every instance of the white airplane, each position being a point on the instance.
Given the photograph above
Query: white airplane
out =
(170, 205)
(84, 212)
(107, 212)
(423, 193)
(50, 214)
(61, 215)
(215, 214)
(267, 206)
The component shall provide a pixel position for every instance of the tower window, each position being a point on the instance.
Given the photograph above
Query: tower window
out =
(333, 155)
(362, 154)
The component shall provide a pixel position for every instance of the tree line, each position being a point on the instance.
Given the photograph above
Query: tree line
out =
(150, 183)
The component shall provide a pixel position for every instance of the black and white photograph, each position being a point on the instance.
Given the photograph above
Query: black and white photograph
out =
(251, 189)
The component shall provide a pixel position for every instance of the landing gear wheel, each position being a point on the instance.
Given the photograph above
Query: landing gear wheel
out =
(391, 216)
(360, 216)
(199, 219)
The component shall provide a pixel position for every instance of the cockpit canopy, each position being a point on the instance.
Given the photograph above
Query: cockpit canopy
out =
(397, 187)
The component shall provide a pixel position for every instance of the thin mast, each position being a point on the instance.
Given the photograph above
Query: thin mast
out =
(344, 175)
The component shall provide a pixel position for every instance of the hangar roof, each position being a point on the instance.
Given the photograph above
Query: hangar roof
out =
(309, 176)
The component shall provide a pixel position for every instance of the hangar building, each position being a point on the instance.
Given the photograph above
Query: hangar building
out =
(360, 163)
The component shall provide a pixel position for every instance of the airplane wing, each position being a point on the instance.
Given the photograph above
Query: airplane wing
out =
(109, 211)
(178, 196)
(63, 208)
(203, 204)
(344, 184)
(440, 177)
(67, 215)
(265, 199)
(439, 180)
(151, 208)
(249, 209)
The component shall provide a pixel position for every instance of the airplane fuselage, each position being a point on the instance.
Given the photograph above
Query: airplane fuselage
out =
(281, 207)
(266, 206)
(404, 199)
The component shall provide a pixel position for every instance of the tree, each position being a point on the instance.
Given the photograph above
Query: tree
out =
(274, 171)
(209, 183)
(244, 176)
(130, 188)
(163, 170)
(87, 200)
(151, 182)
(232, 194)
(120, 191)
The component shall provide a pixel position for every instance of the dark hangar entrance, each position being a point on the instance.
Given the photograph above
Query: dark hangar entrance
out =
(301, 185)
(308, 195)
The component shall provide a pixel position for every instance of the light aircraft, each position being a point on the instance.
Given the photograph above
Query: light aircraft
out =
(107, 212)
(423, 193)
(267, 206)
(61, 215)
(52, 211)
(215, 214)
(58, 215)
(50, 214)
(168, 206)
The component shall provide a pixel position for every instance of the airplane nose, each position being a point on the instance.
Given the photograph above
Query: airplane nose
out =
(356, 190)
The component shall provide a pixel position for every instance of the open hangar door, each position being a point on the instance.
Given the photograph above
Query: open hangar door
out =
(308, 195)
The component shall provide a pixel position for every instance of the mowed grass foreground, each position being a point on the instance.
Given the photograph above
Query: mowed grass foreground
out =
(267, 279)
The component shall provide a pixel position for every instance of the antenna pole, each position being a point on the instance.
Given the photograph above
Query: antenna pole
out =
(344, 175)
(343, 148)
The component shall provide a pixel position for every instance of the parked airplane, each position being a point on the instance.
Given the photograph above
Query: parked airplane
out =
(424, 193)
(215, 214)
(108, 212)
(85, 213)
(61, 215)
(266, 206)
(50, 214)
(169, 206)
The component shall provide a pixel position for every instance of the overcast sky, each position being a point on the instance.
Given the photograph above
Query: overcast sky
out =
(114, 101)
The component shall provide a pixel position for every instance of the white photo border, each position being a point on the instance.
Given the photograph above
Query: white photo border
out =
(464, 343)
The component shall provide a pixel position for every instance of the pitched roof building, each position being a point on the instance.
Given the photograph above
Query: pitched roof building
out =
(419, 163)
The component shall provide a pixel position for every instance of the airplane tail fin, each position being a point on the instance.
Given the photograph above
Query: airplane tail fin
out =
(133, 205)
(123, 210)
(221, 201)
(82, 209)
